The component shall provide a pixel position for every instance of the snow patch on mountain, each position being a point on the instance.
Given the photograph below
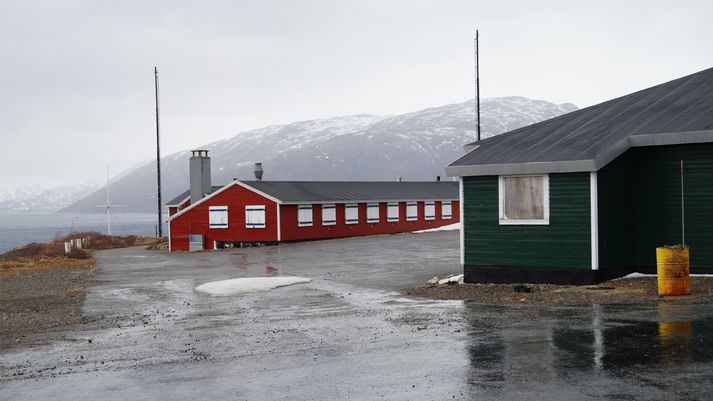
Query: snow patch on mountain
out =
(20, 194)
(415, 146)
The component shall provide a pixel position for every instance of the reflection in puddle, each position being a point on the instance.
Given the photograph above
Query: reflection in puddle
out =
(675, 333)
(271, 271)
(239, 260)
(534, 347)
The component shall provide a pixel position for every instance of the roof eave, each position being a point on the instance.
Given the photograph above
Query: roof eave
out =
(571, 166)
(574, 166)
(672, 138)
(385, 200)
(177, 204)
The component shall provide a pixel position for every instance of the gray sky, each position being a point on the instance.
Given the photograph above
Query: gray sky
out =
(76, 77)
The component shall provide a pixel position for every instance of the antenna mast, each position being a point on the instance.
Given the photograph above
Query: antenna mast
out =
(477, 87)
(158, 155)
(683, 209)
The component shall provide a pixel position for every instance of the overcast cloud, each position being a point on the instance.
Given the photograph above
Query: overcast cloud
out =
(76, 77)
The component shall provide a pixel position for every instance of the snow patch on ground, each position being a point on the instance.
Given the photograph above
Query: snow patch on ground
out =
(638, 275)
(238, 286)
(450, 227)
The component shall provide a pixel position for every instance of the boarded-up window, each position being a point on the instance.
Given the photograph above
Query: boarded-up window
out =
(351, 213)
(304, 215)
(218, 216)
(255, 216)
(429, 210)
(329, 215)
(411, 211)
(372, 213)
(446, 210)
(392, 212)
(524, 199)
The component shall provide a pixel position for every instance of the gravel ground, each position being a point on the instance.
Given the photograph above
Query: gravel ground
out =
(349, 334)
(38, 300)
(641, 290)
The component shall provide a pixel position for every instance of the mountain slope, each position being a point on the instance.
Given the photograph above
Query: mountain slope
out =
(38, 194)
(415, 146)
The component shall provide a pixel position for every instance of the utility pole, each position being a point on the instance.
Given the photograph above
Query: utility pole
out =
(477, 87)
(158, 156)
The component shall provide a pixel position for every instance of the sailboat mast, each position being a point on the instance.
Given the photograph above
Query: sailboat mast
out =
(108, 205)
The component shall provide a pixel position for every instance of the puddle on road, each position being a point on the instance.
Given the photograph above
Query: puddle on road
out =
(553, 345)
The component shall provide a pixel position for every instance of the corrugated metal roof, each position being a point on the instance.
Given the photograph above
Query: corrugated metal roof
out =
(180, 198)
(340, 191)
(585, 139)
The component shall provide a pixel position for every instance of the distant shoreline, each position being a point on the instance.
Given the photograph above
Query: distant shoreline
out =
(19, 229)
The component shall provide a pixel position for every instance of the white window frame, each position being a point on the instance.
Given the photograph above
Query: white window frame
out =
(349, 207)
(255, 209)
(525, 222)
(446, 205)
(304, 216)
(432, 206)
(392, 212)
(218, 217)
(329, 220)
(414, 216)
(372, 213)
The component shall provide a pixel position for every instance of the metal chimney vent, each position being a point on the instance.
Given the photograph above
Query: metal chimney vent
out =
(258, 171)
(199, 171)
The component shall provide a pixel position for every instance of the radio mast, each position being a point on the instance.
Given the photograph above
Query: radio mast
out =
(158, 156)
(477, 87)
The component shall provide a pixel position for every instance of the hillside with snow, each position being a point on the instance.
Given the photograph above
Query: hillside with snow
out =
(38, 194)
(415, 146)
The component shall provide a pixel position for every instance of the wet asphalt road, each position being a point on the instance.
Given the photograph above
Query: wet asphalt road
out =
(349, 335)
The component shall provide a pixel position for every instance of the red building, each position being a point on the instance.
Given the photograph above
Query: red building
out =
(244, 213)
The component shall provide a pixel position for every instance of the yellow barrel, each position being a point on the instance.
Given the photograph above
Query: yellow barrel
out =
(673, 270)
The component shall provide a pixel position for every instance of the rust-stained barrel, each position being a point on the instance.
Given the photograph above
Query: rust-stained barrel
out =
(673, 270)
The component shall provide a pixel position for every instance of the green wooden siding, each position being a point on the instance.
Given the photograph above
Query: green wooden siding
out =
(564, 243)
(640, 205)
(616, 213)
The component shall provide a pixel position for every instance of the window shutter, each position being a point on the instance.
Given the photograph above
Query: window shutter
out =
(218, 216)
(329, 215)
(255, 216)
(351, 213)
(304, 216)
(392, 212)
(372, 213)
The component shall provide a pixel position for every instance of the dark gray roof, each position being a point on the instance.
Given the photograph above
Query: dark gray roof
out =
(180, 198)
(340, 191)
(679, 111)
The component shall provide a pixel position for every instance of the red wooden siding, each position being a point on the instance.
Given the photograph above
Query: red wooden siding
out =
(292, 232)
(175, 209)
(195, 221)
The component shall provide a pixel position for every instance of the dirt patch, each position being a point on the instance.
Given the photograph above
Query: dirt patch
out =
(36, 300)
(626, 291)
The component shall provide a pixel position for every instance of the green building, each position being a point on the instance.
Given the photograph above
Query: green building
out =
(589, 195)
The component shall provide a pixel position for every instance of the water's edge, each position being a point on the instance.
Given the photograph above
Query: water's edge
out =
(20, 229)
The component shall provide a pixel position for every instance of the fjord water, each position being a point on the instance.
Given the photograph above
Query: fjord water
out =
(20, 229)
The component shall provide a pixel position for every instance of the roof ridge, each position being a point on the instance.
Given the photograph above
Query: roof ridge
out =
(590, 136)
(589, 108)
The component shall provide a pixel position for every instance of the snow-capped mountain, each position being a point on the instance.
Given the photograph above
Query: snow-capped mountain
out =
(39, 194)
(415, 146)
